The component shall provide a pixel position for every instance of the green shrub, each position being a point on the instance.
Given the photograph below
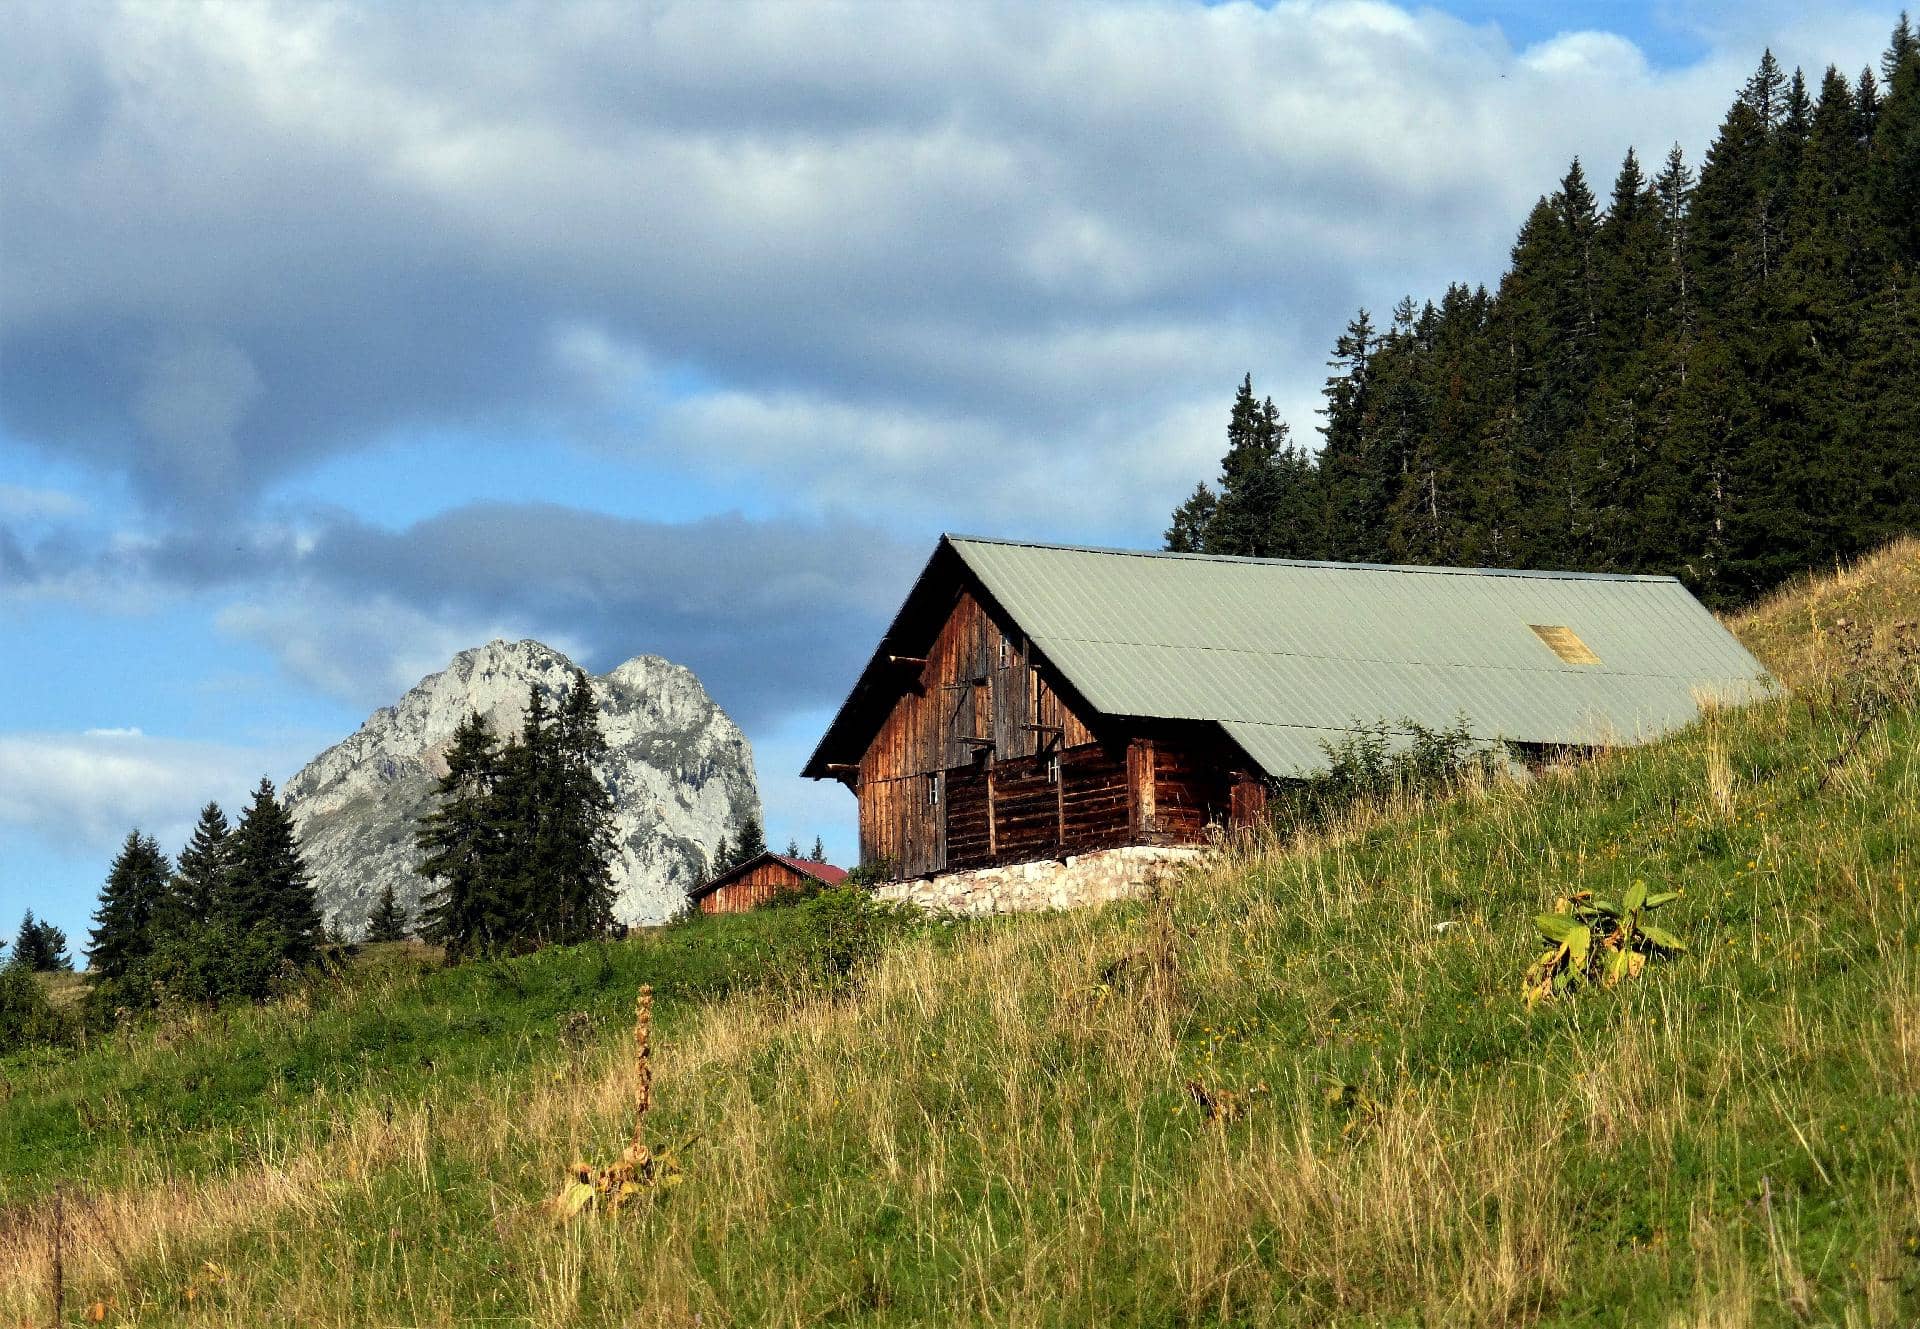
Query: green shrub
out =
(1365, 767)
(207, 963)
(27, 1017)
(839, 928)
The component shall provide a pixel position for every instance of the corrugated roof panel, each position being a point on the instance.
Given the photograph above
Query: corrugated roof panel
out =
(1316, 648)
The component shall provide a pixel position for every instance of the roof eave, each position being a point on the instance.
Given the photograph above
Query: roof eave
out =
(818, 762)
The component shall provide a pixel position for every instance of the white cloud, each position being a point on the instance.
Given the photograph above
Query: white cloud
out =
(23, 503)
(365, 650)
(86, 791)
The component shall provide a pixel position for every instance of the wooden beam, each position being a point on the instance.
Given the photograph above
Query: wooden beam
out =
(993, 831)
(919, 660)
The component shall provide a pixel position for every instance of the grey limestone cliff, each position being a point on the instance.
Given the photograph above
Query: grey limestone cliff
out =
(680, 771)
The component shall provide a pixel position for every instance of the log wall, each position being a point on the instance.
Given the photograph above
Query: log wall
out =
(980, 691)
(753, 889)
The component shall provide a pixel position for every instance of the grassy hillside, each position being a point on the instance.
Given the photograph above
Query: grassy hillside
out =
(1298, 1087)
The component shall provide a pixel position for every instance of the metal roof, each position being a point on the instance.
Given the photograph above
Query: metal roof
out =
(1285, 655)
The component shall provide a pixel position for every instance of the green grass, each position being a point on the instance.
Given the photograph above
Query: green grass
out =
(201, 1090)
(1003, 1124)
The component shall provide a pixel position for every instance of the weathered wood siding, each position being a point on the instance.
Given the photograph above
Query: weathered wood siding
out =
(1040, 806)
(983, 760)
(980, 682)
(753, 889)
(1197, 779)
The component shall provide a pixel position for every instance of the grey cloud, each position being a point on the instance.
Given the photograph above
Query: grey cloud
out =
(244, 238)
(774, 615)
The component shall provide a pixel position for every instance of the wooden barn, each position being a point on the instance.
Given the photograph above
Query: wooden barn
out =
(1034, 701)
(751, 884)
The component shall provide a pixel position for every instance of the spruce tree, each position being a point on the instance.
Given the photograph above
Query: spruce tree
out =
(1191, 520)
(203, 874)
(1866, 102)
(819, 854)
(40, 946)
(469, 906)
(1250, 478)
(272, 893)
(1354, 485)
(580, 841)
(386, 921)
(750, 842)
(722, 859)
(1902, 46)
(1719, 377)
(135, 893)
(524, 796)
(1894, 156)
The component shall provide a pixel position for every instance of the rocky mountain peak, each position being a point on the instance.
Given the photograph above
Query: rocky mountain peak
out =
(680, 770)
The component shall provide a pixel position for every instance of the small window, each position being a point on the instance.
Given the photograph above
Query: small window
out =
(1053, 771)
(933, 791)
(1565, 643)
(1006, 655)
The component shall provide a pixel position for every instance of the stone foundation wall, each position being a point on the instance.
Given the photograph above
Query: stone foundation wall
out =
(1082, 879)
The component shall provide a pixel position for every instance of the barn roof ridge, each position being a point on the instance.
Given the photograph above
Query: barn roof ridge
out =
(1418, 569)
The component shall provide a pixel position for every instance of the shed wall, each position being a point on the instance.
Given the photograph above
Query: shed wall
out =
(754, 889)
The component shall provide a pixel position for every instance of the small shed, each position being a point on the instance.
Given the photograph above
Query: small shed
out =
(751, 884)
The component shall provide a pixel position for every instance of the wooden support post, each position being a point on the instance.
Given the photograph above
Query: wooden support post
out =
(993, 828)
(1149, 808)
(1060, 803)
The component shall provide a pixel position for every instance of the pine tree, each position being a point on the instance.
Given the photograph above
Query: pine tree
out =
(203, 874)
(468, 907)
(793, 847)
(1902, 46)
(579, 847)
(1894, 157)
(723, 859)
(1249, 481)
(40, 946)
(272, 893)
(135, 892)
(1191, 520)
(386, 921)
(750, 842)
(819, 854)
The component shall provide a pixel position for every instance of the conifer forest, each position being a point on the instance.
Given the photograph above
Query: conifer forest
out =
(1712, 372)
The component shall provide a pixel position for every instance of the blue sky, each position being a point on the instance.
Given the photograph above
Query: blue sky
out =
(333, 341)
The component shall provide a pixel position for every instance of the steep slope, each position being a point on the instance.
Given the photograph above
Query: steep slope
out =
(681, 774)
(1301, 1087)
(1792, 630)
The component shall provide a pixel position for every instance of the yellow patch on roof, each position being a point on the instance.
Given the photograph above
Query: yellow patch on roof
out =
(1565, 643)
